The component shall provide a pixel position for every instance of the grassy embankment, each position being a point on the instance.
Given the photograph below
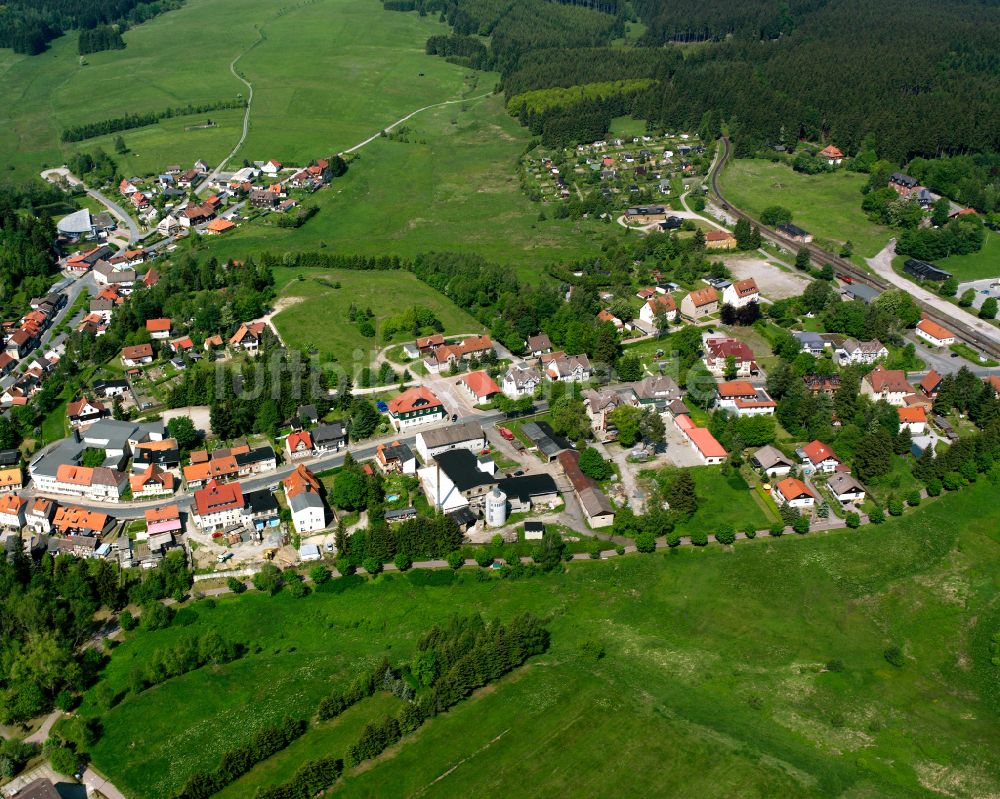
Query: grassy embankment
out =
(755, 671)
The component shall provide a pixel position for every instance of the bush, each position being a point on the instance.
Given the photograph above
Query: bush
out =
(594, 548)
(236, 586)
(835, 665)
(673, 539)
(725, 534)
(934, 488)
(894, 656)
(319, 574)
(591, 649)
(126, 620)
(645, 542)
(372, 565)
(895, 507)
(877, 516)
(699, 538)
(268, 579)
(801, 525)
(455, 559)
(344, 566)
(853, 520)
(750, 532)
(619, 550)
(484, 558)
(403, 562)
(64, 760)
(952, 481)
(777, 529)
(297, 588)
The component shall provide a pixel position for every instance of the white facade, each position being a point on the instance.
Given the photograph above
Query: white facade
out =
(496, 508)
(308, 512)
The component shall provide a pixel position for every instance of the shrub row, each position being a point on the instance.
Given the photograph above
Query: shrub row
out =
(130, 121)
(237, 762)
(309, 780)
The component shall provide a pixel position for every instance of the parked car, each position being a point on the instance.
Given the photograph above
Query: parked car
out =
(382, 407)
(224, 557)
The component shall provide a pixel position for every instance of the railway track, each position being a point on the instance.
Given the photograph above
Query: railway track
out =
(843, 266)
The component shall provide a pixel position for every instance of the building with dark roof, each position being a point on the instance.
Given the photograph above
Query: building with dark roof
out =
(924, 270)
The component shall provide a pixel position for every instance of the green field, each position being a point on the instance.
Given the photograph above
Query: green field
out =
(452, 185)
(978, 265)
(723, 499)
(449, 182)
(320, 318)
(827, 205)
(318, 86)
(715, 682)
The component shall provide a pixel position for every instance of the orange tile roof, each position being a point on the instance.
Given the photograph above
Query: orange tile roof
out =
(706, 442)
(718, 235)
(817, 452)
(745, 288)
(704, 296)
(413, 398)
(480, 384)
(220, 225)
(78, 518)
(912, 415)
(197, 472)
(934, 329)
(11, 504)
(138, 351)
(153, 474)
(792, 488)
(737, 388)
(663, 303)
(299, 481)
(11, 477)
(299, 439)
(165, 514)
(831, 152)
(217, 497)
(158, 325)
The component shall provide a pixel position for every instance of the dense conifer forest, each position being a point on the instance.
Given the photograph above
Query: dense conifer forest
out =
(911, 79)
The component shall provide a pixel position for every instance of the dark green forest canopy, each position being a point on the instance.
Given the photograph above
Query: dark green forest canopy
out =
(920, 78)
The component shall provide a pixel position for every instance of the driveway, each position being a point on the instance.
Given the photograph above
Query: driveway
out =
(113, 207)
(882, 264)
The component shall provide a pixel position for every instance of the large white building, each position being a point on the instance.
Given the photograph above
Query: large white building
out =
(467, 435)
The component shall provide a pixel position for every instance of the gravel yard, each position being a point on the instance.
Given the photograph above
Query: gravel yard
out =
(774, 283)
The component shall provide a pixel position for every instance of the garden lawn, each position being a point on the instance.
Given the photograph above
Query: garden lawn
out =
(828, 205)
(317, 314)
(722, 499)
(752, 671)
(978, 265)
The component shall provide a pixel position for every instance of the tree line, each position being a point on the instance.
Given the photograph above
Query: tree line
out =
(27, 26)
(90, 130)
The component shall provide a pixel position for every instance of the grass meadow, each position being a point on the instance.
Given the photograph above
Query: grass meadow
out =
(754, 671)
(827, 205)
(978, 265)
(319, 84)
(316, 315)
(450, 185)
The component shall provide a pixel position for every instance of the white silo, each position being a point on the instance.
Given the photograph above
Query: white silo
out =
(496, 508)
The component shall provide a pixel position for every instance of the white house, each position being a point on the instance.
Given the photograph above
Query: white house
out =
(853, 351)
(818, 457)
(12, 510)
(914, 418)
(934, 334)
(415, 407)
(740, 293)
(308, 512)
(846, 488)
(794, 493)
(520, 380)
(773, 461)
(890, 385)
(660, 305)
(467, 435)
(743, 399)
(569, 369)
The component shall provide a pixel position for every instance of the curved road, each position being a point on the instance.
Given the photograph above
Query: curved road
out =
(974, 331)
(113, 207)
(410, 116)
(246, 113)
